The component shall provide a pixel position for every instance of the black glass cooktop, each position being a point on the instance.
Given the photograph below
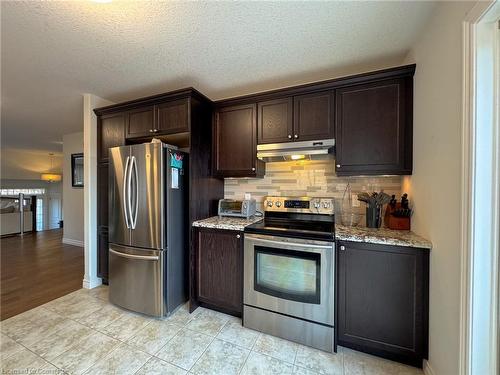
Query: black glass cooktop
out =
(316, 227)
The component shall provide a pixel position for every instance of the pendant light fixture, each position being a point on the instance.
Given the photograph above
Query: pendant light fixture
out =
(51, 177)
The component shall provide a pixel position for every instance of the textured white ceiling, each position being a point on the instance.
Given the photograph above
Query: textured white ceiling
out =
(52, 52)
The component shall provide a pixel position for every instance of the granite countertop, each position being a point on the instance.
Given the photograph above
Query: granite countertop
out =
(382, 236)
(226, 222)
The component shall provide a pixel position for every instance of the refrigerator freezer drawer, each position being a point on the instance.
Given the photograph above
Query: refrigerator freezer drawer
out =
(136, 280)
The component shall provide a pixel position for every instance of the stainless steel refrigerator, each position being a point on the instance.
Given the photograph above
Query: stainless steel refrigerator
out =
(147, 228)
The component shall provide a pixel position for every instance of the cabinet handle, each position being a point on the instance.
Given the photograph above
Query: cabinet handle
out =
(338, 165)
(342, 247)
(238, 236)
(296, 136)
(253, 169)
(289, 136)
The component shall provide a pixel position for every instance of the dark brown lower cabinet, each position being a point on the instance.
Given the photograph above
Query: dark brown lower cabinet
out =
(219, 269)
(102, 221)
(102, 254)
(383, 294)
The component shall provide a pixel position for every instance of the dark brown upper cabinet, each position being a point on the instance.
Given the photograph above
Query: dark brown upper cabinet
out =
(369, 115)
(313, 116)
(275, 122)
(382, 300)
(301, 118)
(140, 122)
(235, 136)
(111, 133)
(173, 117)
(373, 128)
(161, 119)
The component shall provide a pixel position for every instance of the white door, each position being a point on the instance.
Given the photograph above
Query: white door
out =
(54, 214)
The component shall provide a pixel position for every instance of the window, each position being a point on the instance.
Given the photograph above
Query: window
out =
(16, 192)
(39, 214)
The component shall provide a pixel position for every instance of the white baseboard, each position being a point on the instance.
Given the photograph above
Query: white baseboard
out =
(91, 284)
(70, 241)
(427, 368)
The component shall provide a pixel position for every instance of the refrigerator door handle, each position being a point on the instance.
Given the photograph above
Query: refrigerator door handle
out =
(129, 194)
(136, 191)
(126, 193)
(131, 256)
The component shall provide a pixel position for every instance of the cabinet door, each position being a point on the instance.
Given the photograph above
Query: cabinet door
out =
(275, 122)
(102, 194)
(140, 122)
(313, 116)
(102, 254)
(173, 117)
(373, 128)
(220, 269)
(111, 133)
(382, 300)
(235, 141)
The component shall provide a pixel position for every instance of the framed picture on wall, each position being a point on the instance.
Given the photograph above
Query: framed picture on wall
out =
(77, 170)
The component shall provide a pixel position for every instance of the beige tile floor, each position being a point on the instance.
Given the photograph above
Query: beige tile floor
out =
(82, 333)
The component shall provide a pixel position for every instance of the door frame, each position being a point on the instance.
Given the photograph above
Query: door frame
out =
(474, 17)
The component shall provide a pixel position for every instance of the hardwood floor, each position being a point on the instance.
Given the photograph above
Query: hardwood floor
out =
(35, 269)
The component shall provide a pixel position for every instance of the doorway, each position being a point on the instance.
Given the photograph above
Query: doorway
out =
(480, 322)
(54, 211)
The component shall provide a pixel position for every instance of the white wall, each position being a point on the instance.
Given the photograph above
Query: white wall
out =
(435, 183)
(72, 197)
(28, 164)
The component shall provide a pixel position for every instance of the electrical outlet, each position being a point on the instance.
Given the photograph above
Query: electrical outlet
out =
(248, 196)
(355, 202)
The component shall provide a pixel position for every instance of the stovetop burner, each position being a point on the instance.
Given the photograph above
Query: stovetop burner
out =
(301, 217)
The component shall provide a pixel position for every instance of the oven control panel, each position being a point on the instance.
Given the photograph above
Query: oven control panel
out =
(300, 205)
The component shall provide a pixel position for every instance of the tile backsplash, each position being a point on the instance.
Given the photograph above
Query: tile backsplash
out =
(313, 178)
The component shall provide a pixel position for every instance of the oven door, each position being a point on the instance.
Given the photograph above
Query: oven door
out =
(290, 276)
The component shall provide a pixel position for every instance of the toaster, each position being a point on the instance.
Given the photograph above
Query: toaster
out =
(237, 208)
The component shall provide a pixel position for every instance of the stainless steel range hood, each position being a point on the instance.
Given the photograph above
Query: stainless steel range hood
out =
(296, 150)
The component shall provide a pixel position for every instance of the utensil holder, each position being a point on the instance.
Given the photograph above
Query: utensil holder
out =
(373, 217)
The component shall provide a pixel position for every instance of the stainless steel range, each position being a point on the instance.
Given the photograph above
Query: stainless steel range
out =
(289, 271)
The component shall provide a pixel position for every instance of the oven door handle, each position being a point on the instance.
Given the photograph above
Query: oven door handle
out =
(299, 244)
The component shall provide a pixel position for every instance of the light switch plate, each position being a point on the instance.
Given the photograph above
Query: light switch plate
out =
(248, 196)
